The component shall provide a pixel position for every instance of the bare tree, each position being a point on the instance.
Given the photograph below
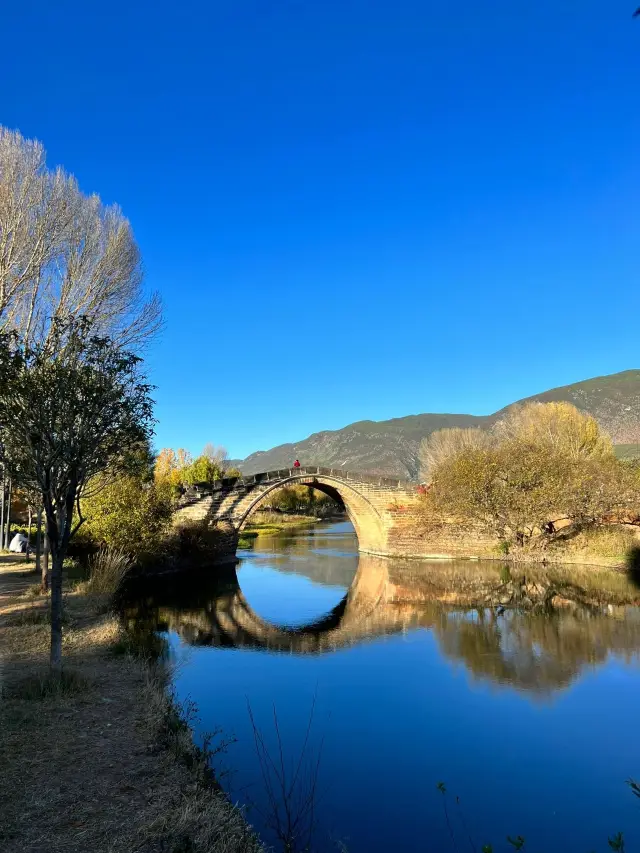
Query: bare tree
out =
(64, 254)
(33, 220)
(217, 455)
(291, 788)
(444, 444)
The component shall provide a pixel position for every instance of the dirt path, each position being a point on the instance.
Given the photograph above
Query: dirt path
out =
(99, 762)
(16, 577)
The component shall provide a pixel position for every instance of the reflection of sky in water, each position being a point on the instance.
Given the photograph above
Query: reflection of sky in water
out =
(398, 716)
(289, 599)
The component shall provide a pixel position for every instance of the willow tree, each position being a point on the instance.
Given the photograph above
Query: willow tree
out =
(72, 406)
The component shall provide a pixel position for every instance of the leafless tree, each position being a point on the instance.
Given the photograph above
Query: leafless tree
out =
(217, 455)
(64, 254)
(33, 220)
(446, 443)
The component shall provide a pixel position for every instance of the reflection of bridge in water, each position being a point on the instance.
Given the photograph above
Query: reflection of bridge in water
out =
(534, 633)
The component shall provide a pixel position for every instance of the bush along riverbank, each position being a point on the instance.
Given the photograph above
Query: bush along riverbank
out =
(544, 484)
(101, 759)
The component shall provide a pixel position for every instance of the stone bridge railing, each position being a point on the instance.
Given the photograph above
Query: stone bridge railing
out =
(228, 483)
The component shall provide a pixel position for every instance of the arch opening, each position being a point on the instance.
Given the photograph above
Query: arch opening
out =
(363, 515)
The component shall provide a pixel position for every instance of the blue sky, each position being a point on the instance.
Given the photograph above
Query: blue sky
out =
(352, 208)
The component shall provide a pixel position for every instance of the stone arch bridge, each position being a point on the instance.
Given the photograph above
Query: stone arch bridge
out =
(379, 508)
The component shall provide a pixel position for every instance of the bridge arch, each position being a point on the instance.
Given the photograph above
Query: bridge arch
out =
(374, 504)
(364, 516)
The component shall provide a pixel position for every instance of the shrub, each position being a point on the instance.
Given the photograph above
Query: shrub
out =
(47, 685)
(145, 644)
(544, 462)
(75, 571)
(34, 590)
(27, 531)
(194, 539)
(128, 514)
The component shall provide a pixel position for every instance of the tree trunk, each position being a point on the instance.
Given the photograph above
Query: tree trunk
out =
(59, 519)
(39, 541)
(2, 513)
(8, 537)
(45, 563)
(55, 659)
(28, 551)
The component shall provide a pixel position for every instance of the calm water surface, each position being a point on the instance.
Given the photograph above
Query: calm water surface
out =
(529, 718)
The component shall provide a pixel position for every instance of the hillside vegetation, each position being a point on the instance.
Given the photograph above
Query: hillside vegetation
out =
(390, 448)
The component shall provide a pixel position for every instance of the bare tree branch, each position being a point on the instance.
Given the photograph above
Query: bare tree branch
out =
(64, 254)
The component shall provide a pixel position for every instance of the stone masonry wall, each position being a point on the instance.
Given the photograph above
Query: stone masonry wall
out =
(385, 513)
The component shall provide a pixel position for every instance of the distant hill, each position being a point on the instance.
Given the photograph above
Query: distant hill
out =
(390, 448)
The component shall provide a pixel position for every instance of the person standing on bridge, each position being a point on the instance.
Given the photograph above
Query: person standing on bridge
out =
(296, 464)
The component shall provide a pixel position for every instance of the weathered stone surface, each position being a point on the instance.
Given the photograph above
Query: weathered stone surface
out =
(377, 507)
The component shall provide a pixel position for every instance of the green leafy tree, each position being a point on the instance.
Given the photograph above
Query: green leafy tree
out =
(203, 470)
(71, 408)
(128, 513)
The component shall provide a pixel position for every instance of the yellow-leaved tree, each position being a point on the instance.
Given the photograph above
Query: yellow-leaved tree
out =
(129, 513)
(543, 463)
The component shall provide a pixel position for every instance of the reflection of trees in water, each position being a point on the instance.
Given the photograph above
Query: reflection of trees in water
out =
(536, 651)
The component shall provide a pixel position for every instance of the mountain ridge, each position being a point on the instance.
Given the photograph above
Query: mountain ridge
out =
(390, 447)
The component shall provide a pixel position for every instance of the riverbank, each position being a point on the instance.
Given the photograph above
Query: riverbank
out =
(611, 546)
(266, 523)
(104, 762)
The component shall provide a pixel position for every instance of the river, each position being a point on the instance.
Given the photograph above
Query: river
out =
(527, 714)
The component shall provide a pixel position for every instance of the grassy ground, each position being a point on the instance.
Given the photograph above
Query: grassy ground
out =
(265, 523)
(104, 762)
(275, 522)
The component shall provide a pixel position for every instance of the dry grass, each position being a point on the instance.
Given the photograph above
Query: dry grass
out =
(611, 542)
(98, 763)
(33, 591)
(107, 570)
